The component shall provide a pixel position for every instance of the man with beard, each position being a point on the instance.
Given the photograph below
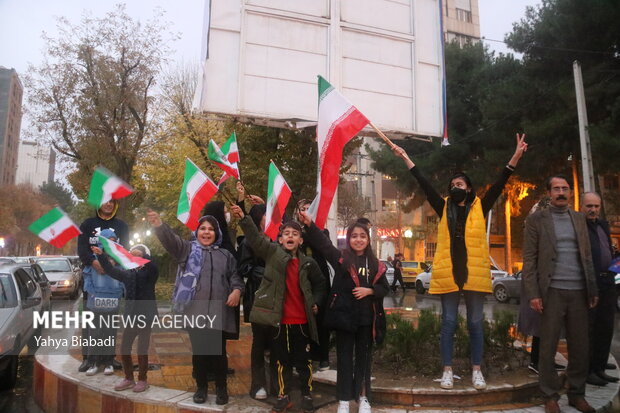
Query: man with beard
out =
(560, 284)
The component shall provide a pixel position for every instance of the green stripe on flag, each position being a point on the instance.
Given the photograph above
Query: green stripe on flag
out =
(226, 147)
(46, 220)
(190, 170)
(95, 195)
(324, 88)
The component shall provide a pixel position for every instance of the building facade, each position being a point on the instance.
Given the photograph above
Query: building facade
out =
(35, 164)
(11, 91)
(461, 21)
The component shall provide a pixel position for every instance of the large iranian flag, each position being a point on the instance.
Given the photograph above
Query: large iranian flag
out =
(121, 255)
(338, 122)
(55, 227)
(278, 194)
(216, 155)
(231, 153)
(106, 186)
(197, 190)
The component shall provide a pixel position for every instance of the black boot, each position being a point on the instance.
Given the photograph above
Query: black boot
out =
(595, 380)
(307, 405)
(84, 366)
(201, 395)
(606, 377)
(221, 395)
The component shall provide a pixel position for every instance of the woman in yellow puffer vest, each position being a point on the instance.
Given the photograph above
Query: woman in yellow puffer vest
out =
(461, 263)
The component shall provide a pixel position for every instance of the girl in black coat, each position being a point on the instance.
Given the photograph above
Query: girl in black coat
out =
(354, 308)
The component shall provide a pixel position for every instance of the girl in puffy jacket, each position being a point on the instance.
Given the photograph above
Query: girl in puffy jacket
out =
(354, 308)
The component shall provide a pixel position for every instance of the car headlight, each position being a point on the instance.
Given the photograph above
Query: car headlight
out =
(67, 283)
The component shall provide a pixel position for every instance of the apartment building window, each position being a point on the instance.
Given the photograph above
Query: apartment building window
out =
(463, 15)
(431, 247)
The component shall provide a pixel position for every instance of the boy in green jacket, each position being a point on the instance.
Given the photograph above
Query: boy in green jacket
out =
(287, 299)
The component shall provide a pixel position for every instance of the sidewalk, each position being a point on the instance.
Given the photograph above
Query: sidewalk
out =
(58, 387)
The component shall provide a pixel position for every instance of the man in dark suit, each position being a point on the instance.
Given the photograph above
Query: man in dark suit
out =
(602, 316)
(560, 284)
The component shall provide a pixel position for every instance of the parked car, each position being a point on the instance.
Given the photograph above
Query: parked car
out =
(36, 272)
(64, 279)
(20, 296)
(7, 260)
(410, 271)
(496, 272)
(507, 287)
(389, 272)
(423, 280)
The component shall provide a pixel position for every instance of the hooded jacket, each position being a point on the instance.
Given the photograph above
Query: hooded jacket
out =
(218, 277)
(269, 299)
(91, 227)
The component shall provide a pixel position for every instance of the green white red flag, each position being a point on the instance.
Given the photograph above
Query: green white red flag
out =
(55, 227)
(197, 190)
(278, 194)
(121, 255)
(216, 155)
(231, 153)
(338, 122)
(105, 186)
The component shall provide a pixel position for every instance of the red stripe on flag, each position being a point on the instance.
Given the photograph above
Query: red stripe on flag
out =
(203, 195)
(344, 131)
(122, 251)
(278, 212)
(65, 237)
(121, 192)
(230, 171)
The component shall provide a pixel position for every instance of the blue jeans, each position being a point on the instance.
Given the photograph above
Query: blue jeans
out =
(449, 320)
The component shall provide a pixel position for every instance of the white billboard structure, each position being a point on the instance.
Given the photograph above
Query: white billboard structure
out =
(261, 59)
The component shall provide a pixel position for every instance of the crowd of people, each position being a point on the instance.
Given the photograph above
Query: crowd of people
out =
(297, 289)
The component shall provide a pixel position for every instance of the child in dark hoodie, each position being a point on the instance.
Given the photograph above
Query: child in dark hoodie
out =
(140, 304)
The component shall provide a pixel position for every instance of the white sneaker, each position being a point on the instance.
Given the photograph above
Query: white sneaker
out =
(109, 370)
(261, 394)
(93, 370)
(477, 380)
(363, 406)
(447, 380)
(343, 406)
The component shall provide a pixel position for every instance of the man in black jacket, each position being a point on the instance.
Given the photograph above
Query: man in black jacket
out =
(601, 316)
(91, 227)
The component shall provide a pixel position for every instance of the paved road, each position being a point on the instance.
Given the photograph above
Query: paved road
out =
(20, 400)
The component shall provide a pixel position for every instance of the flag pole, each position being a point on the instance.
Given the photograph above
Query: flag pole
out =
(382, 135)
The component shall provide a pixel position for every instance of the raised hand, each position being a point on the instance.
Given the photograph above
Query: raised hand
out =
(304, 218)
(236, 211)
(96, 250)
(519, 151)
(400, 153)
(153, 218)
(240, 191)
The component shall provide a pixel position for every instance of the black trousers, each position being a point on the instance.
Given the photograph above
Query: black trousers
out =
(291, 347)
(203, 363)
(353, 376)
(602, 319)
(320, 351)
(398, 277)
(85, 329)
(262, 337)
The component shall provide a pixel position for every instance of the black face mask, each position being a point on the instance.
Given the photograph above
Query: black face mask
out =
(457, 195)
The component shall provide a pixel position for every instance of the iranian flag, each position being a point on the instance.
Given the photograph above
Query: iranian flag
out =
(55, 227)
(338, 122)
(121, 255)
(216, 155)
(231, 152)
(197, 190)
(106, 186)
(278, 194)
